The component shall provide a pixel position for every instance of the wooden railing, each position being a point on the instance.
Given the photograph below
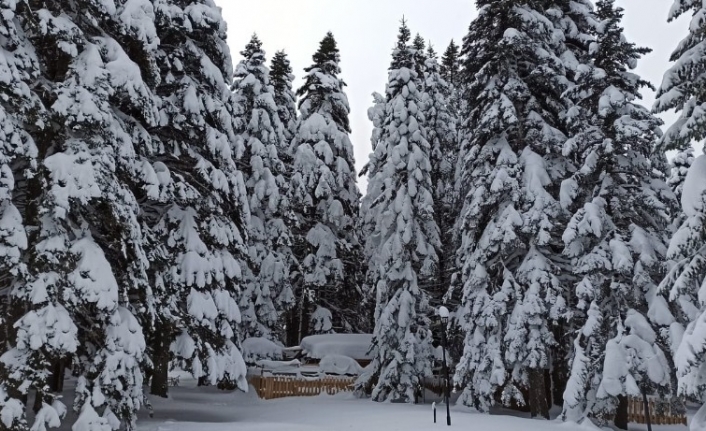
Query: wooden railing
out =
(660, 413)
(271, 387)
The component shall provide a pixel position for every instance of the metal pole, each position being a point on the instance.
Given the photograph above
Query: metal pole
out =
(446, 372)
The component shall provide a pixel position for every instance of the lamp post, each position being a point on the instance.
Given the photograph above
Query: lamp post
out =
(444, 316)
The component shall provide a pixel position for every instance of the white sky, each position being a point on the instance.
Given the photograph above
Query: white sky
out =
(366, 31)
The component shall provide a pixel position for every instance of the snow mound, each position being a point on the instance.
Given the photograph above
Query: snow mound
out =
(339, 365)
(257, 348)
(352, 345)
(280, 366)
(694, 187)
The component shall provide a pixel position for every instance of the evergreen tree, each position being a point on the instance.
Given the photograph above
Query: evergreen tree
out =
(682, 90)
(20, 107)
(615, 238)
(281, 79)
(325, 198)
(420, 58)
(511, 220)
(451, 64)
(403, 243)
(86, 254)
(203, 215)
(377, 115)
(678, 169)
(440, 125)
(268, 292)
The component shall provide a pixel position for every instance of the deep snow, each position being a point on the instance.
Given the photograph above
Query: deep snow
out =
(208, 409)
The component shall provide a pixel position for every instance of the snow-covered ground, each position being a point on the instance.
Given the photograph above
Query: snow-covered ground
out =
(208, 409)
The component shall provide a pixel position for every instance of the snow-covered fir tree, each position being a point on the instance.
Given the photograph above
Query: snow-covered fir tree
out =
(616, 241)
(325, 198)
(281, 79)
(678, 168)
(202, 217)
(19, 109)
(682, 89)
(261, 134)
(511, 221)
(440, 124)
(420, 59)
(86, 254)
(376, 115)
(451, 64)
(405, 237)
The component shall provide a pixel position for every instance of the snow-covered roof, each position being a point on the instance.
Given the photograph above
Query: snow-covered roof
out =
(339, 365)
(354, 346)
(257, 348)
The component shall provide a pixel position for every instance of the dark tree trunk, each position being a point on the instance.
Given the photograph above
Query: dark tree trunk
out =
(159, 384)
(560, 371)
(56, 380)
(38, 402)
(621, 414)
(559, 380)
(538, 394)
(548, 390)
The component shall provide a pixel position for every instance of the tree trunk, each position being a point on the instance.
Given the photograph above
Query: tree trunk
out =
(621, 414)
(159, 384)
(56, 380)
(537, 394)
(38, 401)
(559, 380)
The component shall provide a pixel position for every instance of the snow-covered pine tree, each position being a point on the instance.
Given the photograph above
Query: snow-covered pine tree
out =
(616, 235)
(511, 221)
(679, 168)
(86, 256)
(20, 108)
(685, 284)
(204, 216)
(325, 198)
(420, 59)
(268, 293)
(376, 115)
(440, 124)
(281, 79)
(403, 243)
(451, 64)
(682, 89)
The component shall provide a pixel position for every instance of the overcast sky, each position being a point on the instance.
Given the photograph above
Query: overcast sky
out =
(366, 31)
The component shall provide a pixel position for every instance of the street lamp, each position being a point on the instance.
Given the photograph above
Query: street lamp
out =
(444, 316)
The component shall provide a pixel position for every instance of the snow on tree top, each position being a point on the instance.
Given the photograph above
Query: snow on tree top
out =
(354, 346)
(694, 187)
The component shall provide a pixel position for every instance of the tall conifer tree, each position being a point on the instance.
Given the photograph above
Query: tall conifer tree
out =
(404, 239)
(620, 206)
(325, 198)
(511, 220)
(682, 89)
(261, 134)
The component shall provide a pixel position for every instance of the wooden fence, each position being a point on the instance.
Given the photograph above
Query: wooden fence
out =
(271, 387)
(660, 413)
